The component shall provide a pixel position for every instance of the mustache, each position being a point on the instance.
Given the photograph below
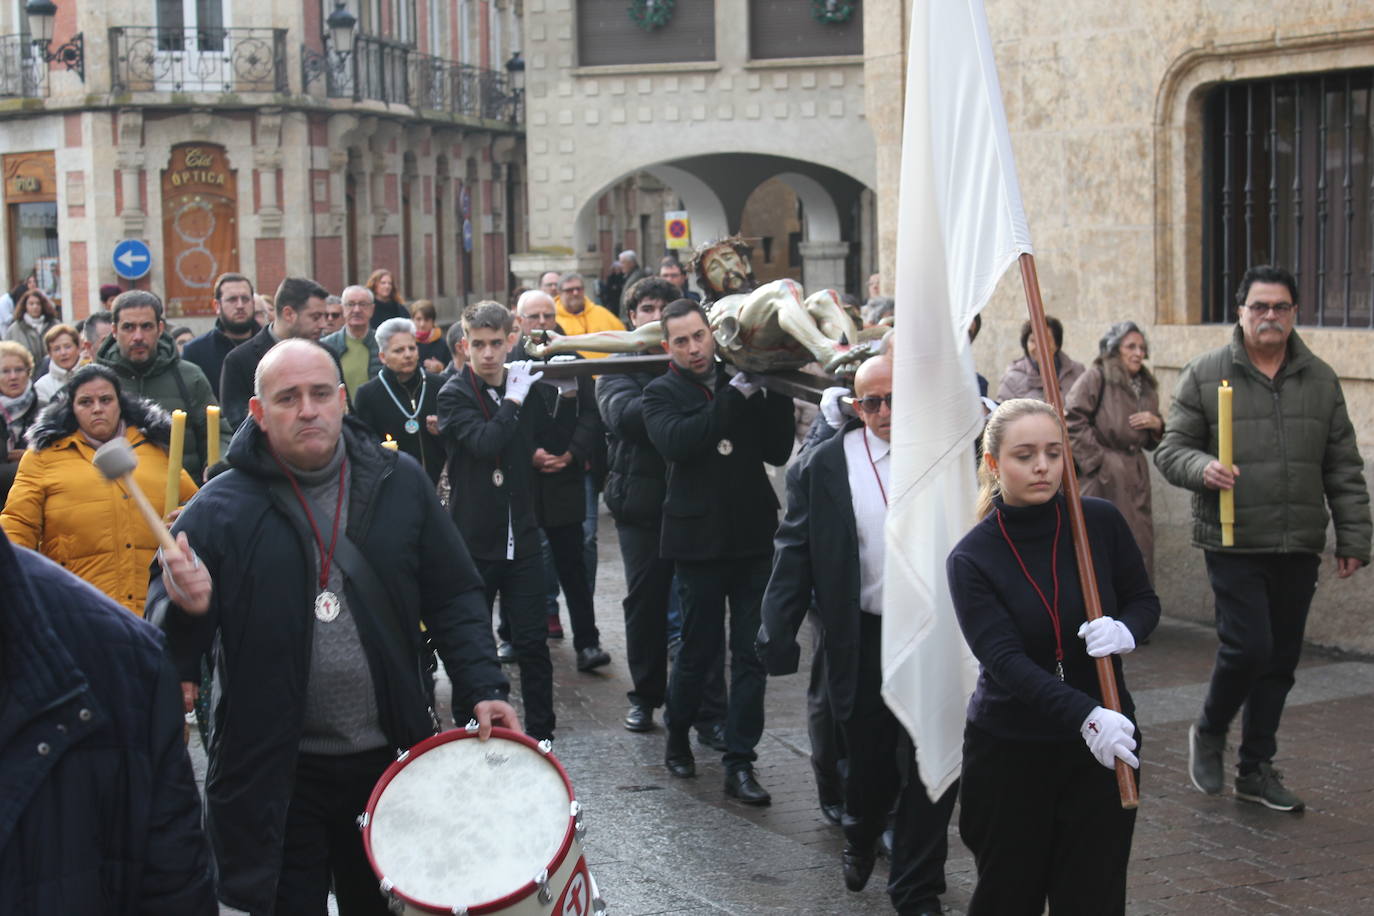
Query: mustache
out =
(1269, 326)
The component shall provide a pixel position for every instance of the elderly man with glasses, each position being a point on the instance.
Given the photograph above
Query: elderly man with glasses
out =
(1295, 455)
(579, 315)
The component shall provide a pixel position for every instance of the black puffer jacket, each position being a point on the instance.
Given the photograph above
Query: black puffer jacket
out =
(635, 484)
(262, 565)
(98, 806)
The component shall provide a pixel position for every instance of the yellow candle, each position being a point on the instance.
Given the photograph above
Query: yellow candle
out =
(174, 452)
(211, 434)
(391, 443)
(1224, 455)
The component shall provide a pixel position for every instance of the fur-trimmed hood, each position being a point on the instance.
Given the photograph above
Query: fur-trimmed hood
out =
(58, 420)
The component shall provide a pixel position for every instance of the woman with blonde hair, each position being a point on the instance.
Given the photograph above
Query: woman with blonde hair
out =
(1039, 809)
(64, 354)
(19, 408)
(387, 300)
(1114, 419)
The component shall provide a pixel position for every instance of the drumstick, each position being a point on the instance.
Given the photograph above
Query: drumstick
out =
(116, 460)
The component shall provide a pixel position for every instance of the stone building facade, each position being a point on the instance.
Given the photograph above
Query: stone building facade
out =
(236, 138)
(1113, 114)
(714, 103)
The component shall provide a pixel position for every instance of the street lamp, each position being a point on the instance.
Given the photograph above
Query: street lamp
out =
(70, 53)
(340, 23)
(515, 70)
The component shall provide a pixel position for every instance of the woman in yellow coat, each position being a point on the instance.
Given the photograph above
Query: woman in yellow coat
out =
(62, 506)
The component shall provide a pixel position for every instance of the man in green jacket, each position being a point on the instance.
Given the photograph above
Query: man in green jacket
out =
(1295, 454)
(145, 358)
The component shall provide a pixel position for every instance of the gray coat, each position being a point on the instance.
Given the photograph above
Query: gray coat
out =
(1110, 454)
(1022, 378)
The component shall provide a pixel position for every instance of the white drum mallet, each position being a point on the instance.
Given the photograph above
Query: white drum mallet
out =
(116, 460)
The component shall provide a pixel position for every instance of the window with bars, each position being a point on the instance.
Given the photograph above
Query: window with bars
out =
(1288, 180)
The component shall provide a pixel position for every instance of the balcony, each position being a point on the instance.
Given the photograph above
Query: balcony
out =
(214, 59)
(23, 74)
(395, 74)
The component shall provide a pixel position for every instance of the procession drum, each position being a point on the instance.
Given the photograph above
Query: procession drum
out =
(459, 825)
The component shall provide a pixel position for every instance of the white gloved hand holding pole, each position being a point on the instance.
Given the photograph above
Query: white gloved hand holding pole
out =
(1106, 636)
(745, 384)
(1109, 735)
(832, 405)
(519, 379)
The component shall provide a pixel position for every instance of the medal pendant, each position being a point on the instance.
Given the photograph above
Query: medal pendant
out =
(725, 446)
(327, 607)
(412, 426)
(497, 477)
(1059, 669)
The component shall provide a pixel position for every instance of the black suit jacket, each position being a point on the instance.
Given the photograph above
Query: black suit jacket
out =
(717, 505)
(816, 558)
(482, 435)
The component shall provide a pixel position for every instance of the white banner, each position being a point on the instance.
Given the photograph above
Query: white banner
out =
(960, 226)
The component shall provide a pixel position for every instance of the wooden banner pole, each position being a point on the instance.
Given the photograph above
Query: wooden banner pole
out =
(1087, 577)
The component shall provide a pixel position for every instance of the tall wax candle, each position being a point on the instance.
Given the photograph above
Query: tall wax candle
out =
(211, 434)
(174, 453)
(1224, 455)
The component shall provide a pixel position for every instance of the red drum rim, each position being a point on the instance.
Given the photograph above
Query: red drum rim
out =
(461, 734)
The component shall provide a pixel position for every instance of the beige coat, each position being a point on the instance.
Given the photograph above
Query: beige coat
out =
(1110, 454)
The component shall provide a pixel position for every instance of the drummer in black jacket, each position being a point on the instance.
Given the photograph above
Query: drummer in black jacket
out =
(490, 438)
(719, 518)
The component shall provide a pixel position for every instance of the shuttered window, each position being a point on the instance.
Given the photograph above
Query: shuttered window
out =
(607, 35)
(1288, 180)
(787, 28)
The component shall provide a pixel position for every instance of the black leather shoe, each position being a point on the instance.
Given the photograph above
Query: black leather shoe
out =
(505, 652)
(592, 657)
(885, 844)
(857, 867)
(832, 813)
(712, 736)
(678, 757)
(743, 785)
(640, 718)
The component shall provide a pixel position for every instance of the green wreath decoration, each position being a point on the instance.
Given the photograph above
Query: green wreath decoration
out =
(651, 14)
(832, 12)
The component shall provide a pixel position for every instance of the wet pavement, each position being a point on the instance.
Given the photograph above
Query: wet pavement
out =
(656, 844)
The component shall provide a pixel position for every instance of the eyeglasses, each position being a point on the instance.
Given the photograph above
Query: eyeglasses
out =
(1278, 308)
(873, 403)
(350, 306)
(572, 289)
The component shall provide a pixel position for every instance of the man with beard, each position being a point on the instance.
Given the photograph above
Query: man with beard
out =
(234, 324)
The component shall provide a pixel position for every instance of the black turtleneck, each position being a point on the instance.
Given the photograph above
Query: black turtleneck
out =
(1019, 696)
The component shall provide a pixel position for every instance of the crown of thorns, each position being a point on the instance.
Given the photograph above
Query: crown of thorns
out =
(698, 263)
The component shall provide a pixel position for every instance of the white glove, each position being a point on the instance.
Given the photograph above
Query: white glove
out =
(1108, 735)
(519, 379)
(832, 407)
(745, 383)
(1106, 636)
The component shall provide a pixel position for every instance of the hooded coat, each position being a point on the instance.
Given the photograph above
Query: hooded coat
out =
(173, 384)
(1110, 454)
(61, 506)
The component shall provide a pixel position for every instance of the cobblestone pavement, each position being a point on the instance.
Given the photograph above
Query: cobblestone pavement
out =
(663, 845)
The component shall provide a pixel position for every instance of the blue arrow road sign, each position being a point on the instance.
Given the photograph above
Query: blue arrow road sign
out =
(132, 259)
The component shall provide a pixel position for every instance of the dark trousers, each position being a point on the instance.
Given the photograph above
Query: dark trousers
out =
(566, 543)
(649, 593)
(827, 740)
(1044, 822)
(1261, 609)
(322, 840)
(881, 770)
(706, 587)
(520, 583)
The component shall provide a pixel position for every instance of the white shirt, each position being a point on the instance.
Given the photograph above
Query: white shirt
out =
(870, 510)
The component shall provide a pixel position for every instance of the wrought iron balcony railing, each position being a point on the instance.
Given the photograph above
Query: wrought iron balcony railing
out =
(23, 73)
(211, 59)
(385, 71)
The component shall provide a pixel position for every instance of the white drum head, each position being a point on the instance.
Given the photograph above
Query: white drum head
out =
(468, 822)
